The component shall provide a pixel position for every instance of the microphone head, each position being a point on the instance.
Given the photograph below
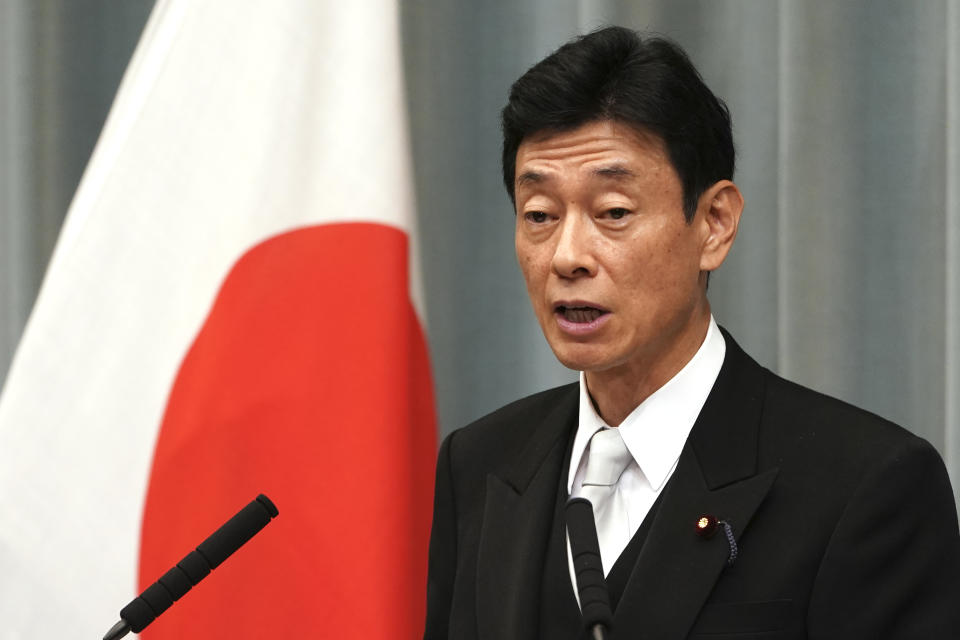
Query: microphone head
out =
(587, 564)
(236, 531)
(268, 505)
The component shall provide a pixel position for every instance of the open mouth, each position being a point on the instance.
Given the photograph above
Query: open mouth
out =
(580, 315)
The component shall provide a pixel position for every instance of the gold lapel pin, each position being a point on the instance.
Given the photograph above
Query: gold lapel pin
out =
(707, 525)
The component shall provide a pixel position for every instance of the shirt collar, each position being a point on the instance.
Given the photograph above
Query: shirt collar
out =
(657, 429)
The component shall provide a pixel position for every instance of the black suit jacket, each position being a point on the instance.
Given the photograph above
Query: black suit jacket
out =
(846, 523)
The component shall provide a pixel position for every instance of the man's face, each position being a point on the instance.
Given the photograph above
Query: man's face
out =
(612, 267)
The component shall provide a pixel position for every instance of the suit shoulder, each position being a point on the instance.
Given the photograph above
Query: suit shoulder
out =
(814, 407)
(842, 437)
(798, 419)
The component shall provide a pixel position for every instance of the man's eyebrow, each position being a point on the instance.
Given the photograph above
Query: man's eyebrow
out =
(530, 177)
(615, 172)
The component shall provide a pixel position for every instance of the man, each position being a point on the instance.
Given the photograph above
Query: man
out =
(833, 523)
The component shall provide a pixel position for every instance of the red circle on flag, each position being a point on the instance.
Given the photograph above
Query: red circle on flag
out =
(309, 382)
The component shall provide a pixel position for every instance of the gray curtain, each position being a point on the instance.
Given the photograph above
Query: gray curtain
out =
(846, 273)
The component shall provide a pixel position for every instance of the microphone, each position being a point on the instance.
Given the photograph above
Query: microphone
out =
(158, 597)
(591, 585)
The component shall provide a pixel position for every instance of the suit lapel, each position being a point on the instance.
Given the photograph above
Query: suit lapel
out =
(716, 475)
(513, 538)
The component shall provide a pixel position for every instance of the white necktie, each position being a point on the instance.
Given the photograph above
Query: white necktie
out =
(606, 461)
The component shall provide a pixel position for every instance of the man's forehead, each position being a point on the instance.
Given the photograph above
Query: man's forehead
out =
(605, 149)
(609, 127)
(613, 171)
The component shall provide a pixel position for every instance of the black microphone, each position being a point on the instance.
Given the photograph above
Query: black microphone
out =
(158, 597)
(591, 585)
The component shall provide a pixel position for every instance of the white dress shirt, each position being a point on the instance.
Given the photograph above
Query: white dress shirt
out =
(654, 433)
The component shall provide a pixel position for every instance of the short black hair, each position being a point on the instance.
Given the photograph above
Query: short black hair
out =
(646, 82)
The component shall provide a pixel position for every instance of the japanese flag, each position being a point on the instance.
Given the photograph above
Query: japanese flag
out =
(228, 312)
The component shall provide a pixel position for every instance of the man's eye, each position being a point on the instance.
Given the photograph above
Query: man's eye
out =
(617, 213)
(536, 216)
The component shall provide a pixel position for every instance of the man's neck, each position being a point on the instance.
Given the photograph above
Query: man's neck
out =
(617, 391)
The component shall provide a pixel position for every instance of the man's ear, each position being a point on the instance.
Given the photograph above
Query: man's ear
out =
(720, 207)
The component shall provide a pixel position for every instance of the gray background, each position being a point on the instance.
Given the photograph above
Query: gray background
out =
(846, 274)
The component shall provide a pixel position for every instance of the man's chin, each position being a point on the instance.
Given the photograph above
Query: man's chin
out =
(582, 359)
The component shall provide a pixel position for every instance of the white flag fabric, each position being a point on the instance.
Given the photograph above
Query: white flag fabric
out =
(227, 312)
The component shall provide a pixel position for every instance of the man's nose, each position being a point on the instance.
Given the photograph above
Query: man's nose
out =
(573, 256)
